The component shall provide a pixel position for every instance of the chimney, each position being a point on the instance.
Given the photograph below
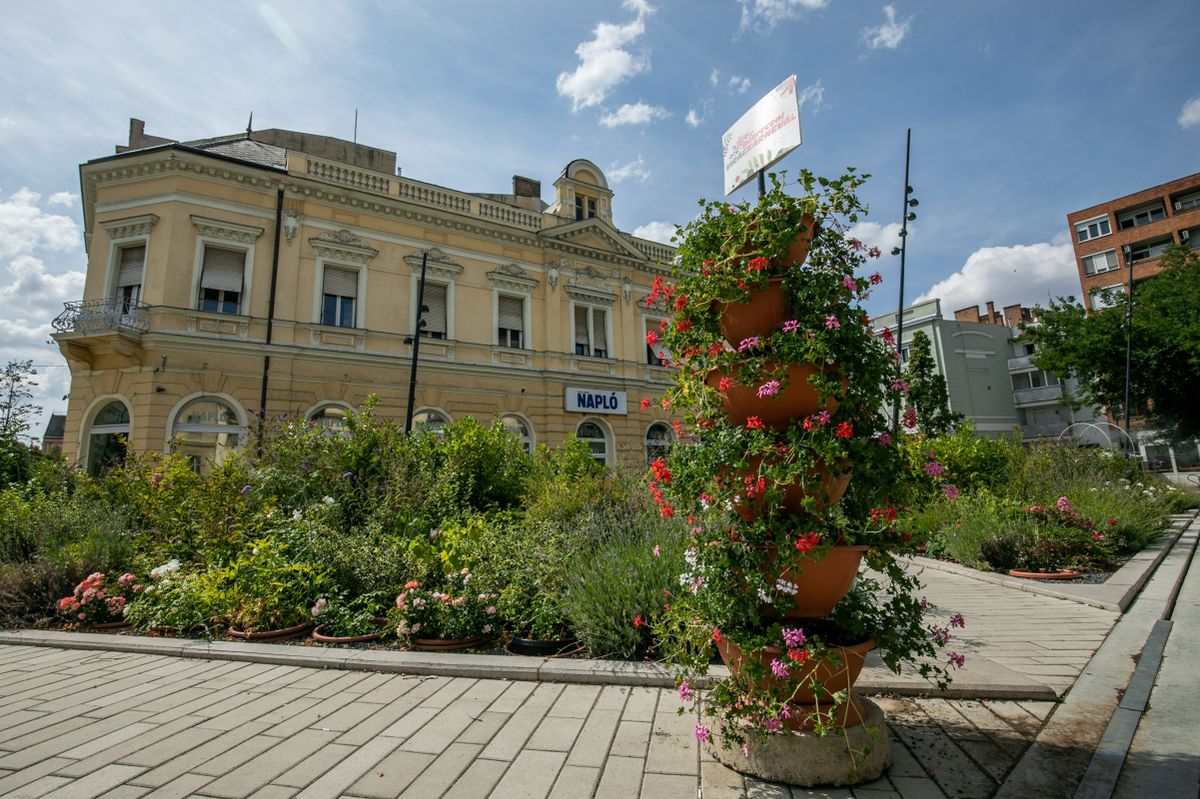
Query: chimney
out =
(1014, 315)
(526, 187)
(969, 314)
(991, 317)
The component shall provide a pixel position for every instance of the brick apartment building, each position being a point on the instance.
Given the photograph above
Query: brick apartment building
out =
(1134, 229)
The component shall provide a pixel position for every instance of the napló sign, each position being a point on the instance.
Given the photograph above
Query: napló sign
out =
(593, 400)
(764, 135)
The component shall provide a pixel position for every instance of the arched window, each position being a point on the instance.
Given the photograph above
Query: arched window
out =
(329, 417)
(107, 438)
(430, 419)
(206, 430)
(592, 434)
(658, 441)
(519, 428)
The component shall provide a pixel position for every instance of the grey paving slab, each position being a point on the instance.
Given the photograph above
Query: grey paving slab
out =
(263, 768)
(591, 746)
(668, 786)
(193, 757)
(531, 776)
(478, 780)
(312, 767)
(575, 782)
(348, 771)
(40, 787)
(443, 772)
(184, 785)
(96, 783)
(125, 792)
(392, 776)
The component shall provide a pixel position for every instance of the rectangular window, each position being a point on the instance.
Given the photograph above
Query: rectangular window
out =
(129, 275)
(435, 317)
(511, 321)
(656, 353)
(591, 336)
(1148, 249)
(221, 280)
(1190, 238)
(1136, 217)
(1100, 262)
(1092, 228)
(1186, 202)
(339, 294)
(1108, 296)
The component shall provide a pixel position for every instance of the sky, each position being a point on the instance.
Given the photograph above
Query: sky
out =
(1021, 112)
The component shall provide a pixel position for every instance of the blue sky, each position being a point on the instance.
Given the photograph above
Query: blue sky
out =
(1021, 113)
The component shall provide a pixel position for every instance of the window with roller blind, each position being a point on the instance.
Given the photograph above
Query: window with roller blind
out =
(339, 296)
(435, 317)
(510, 321)
(591, 331)
(131, 262)
(221, 279)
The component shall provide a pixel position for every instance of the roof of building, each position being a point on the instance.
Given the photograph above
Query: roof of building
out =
(56, 426)
(243, 149)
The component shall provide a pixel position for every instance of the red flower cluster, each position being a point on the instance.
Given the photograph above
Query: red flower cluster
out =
(754, 487)
(887, 514)
(844, 430)
(754, 423)
(659, 288)
(807, 542)
(757, 264)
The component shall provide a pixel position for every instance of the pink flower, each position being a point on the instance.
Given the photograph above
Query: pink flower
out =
(1064, 505)
(685, 692)
(934, 469)
(956, 660)
(885, 439)
(490, 610)
(768, 389)
(832, 323)
(125, 579)
(950, 490)
(656, 551)
(412, 584)
(748, 343)
(910, 414)
(791, 326)
(794, 636)
(823, 417)
(779, 669)
(900, 385)
(957, 620)
(701, 732)
(849, 283)
(773, 724)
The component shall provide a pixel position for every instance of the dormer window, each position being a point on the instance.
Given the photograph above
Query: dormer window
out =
(585, 207)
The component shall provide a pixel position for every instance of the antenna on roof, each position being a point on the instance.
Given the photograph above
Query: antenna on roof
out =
(249, 124)
(356, 126)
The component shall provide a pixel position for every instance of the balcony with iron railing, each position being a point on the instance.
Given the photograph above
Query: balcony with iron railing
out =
(92, 317)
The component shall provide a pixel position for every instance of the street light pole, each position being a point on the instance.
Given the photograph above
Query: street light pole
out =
(415, 340)
(1128, 251)
(909, 202)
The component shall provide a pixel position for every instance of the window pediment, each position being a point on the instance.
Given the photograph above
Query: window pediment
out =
(130, 227)
(342, 245)
(513, 278)
(439, 265)
(226, 231)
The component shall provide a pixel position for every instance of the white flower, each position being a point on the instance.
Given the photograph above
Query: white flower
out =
(764, 598)
(170, 567)
(328, 500)
(297, 515)
(786, 587)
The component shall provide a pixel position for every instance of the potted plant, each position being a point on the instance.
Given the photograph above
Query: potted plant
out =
(100, 601)
(450, 617)
(347, 621)
(786, 467)
(265, 595)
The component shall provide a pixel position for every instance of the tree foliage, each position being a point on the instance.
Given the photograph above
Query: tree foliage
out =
(15, 393)
(927, 389)
(1164, 380)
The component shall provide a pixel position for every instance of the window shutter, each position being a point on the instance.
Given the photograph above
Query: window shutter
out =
(132, 261)
(341, 282)
(512, 313)
(581, 326)
(435, 300)
(222, 269)
(600, 340)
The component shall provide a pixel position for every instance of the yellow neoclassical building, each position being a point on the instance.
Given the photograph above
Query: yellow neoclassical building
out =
(275, 273)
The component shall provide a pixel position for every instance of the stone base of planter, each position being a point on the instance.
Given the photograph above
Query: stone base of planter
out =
(807, 760)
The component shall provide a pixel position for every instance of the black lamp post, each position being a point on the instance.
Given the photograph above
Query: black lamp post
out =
(415, 341)
(908, 216)
(1128, 251)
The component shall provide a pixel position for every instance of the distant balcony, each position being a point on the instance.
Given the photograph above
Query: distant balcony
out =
(1020, 362)
(1037, 396)
(1032, 432)
(102, 316)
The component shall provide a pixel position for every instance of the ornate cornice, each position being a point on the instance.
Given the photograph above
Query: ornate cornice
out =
(342, 245)
(130, 227)
(228, 231)
(512, 277)
(439, 264)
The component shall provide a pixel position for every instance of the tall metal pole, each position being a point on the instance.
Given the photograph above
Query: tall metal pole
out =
(900, 308)
(416, 344)
(1128, 251)
(762, 184)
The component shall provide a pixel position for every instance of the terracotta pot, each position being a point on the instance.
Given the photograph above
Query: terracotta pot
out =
(320, 637)
(1060, 574)
(833, 488)
(445, 644)
(110, 625)
(797, 251)
(831, 677)
(820, 584)
(798, 400)
(269, 636)
(762, 315)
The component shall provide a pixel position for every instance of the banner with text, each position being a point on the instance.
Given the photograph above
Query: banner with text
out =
(764, 135)
(594, 400)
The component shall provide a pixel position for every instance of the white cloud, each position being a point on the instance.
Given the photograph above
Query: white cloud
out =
(766, 14)
(812, 96)
(739, 84)
(655, 231)
(693, 118)
(715, 78)
(7, 122)
(889, 34)
(873, 234)
(282, 30)
(1189, 115)
(64, 198)
(635, 170)
(634, 114)
(1028, 274)
(639, 7)
(604, 62)
(24, 227)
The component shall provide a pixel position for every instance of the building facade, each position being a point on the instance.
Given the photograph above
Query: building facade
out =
(275, 273)
(1132, 230)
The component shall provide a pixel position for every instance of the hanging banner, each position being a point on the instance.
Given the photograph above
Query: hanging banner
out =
(764, 135)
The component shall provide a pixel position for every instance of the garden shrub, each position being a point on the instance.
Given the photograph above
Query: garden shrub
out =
(176, 602)
(263, 588)
(971, 520)
(970, 461)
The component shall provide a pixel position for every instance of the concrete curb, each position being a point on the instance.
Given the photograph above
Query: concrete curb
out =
(988, 680)
(1116, 594)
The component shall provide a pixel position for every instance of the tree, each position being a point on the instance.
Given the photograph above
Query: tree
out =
(1164, 375)
(927, 389)
(15, 393)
